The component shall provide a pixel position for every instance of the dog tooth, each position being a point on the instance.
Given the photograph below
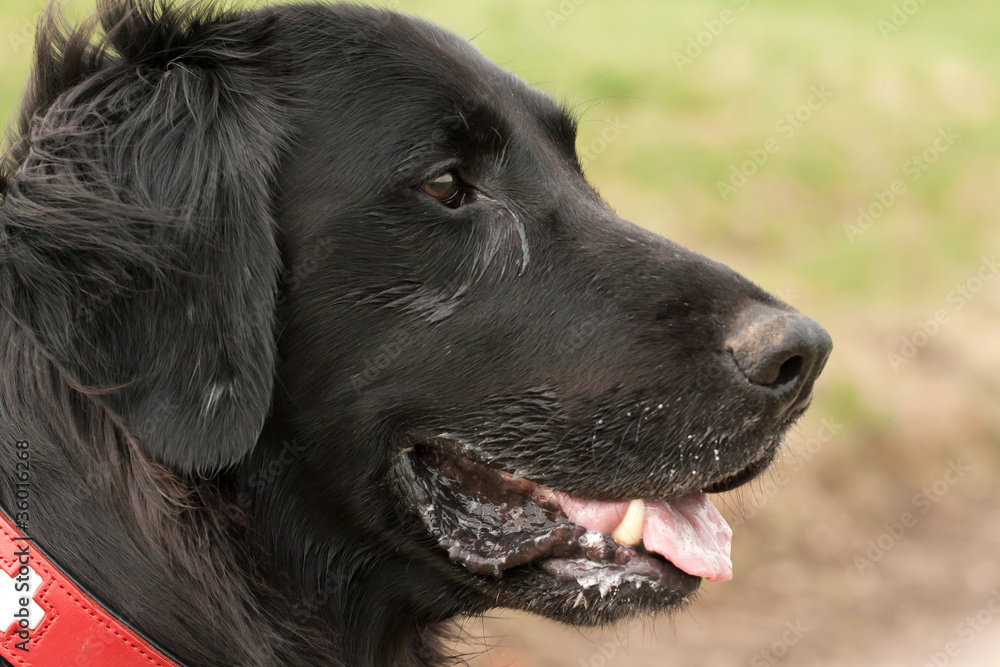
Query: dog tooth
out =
(545, 493)
(629, 531)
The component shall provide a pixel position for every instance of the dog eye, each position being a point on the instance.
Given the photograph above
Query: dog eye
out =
(448, 189)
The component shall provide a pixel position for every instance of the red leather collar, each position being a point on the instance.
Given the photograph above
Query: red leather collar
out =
(53, 623)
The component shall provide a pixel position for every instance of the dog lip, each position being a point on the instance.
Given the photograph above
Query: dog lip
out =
(587, 574)
(722, 484)
(742, 476)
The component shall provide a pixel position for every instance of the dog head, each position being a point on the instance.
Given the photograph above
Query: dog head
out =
(480, 342)
(344, 251)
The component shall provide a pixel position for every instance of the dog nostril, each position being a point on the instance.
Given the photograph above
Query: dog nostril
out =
(788, 371)
(772, 367)
(777, 349)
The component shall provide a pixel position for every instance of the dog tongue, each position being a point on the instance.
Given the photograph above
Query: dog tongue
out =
(691, 534)
(688, 531)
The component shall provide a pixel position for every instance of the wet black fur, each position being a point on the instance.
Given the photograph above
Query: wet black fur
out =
(226, 307)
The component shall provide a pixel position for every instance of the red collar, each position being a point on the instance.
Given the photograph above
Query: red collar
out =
(53, 623)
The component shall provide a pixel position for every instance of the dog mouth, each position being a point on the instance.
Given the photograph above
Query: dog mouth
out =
(493, 523)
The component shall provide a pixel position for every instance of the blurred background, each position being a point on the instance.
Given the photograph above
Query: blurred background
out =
(845, 156)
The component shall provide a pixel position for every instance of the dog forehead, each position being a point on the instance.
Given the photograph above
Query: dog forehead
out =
(392, 67)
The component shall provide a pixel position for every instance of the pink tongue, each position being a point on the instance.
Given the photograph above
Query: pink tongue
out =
(688, 531)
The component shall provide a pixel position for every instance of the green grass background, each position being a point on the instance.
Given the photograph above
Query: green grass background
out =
(680, 132)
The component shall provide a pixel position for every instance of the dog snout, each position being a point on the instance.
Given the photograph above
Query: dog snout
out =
(780, 353)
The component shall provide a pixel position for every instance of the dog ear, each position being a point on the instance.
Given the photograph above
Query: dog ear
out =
(138, 244)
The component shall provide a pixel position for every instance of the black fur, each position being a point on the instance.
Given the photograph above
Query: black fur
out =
(226, 306)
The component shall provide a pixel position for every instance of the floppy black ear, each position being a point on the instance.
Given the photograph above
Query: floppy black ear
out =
(137, 240)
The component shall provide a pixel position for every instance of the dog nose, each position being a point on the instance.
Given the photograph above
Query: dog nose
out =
(779, 351)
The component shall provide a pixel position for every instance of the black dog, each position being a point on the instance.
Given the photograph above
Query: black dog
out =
(295, 301)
